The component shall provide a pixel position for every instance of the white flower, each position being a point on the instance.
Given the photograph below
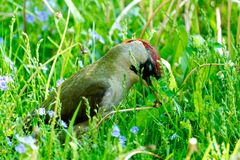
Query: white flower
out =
(80, 64)
(43, 67)
(230, 63)
(51, 113)
(220, 75)
(193, 141)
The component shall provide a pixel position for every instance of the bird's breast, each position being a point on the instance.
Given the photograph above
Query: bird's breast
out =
(113, 95)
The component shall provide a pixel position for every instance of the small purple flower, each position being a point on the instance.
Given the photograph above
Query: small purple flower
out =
(96, 36)
(1, 40)
(3, 86)
(4, 83)
(29, 140)
(20, 148)
(30, 18)
(41, 111)
(51, 113)
(134, 130)
(59, 82)
(116, 131)
(122, 140)
(42, 16)
(63, 124)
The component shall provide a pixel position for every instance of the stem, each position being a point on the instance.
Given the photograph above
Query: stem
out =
(24, 17)
(58, 92)
(229, 26)
(123, 110)
(40, 67)
(55, 59)
(219, 29)
(152, 16)
(122, 14)
(164, 23)
(199, 67)
(238, 30)
(151, 12)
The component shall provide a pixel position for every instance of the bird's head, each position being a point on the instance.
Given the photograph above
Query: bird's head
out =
(150, 67)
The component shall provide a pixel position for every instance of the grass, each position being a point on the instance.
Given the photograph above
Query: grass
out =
(200, 92)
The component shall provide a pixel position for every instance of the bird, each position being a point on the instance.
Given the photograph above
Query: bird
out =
(106, 82)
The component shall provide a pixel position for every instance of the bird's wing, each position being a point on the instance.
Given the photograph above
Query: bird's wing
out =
(72, 97)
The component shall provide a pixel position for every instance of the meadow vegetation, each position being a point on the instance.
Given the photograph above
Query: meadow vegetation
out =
(42, 43)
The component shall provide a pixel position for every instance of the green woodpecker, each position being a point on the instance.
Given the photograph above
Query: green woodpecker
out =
(105, 82)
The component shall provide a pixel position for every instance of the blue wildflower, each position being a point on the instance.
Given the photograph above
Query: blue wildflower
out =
(122, 140)
(63, 124)
(116, 131)
(51, 113)
(30, 18)
(29, 140)
(1, 40)
(42, 16)
(4, 83)
(59, 82)
(20, 148)
(134, 130)
(96, 36)
(41, 111)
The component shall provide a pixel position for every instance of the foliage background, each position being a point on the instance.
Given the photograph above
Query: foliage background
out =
(200, 96)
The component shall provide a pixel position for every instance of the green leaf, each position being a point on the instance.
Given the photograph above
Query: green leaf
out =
(198, 41)
(197, 98)
(181, 42)
(172, 81)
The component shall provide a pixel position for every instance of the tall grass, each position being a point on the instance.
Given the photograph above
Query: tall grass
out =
(199, 90)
